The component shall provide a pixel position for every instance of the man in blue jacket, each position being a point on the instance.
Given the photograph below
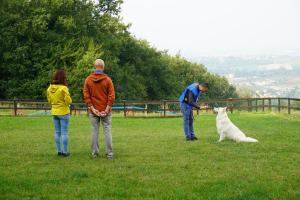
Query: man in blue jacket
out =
(188, 100)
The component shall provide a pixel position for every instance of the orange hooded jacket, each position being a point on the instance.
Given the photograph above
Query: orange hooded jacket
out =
(99, 91)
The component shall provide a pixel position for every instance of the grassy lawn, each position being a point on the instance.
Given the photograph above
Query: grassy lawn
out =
(152, 160)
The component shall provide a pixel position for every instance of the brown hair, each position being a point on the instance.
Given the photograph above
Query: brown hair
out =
(60, 78)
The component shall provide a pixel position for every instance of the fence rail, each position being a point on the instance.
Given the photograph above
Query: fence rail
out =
(163, 108)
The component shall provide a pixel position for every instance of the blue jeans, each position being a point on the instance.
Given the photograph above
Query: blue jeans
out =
(61, 124)
(188, 121)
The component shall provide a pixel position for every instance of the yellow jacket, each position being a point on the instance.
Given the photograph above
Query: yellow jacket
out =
(59, 98)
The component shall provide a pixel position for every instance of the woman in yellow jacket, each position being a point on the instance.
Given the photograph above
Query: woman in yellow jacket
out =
(59, 97)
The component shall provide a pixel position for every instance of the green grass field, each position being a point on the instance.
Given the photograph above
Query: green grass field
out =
(152, 160)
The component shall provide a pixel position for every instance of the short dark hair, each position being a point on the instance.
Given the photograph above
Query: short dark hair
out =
(60, 78)
(205, 85)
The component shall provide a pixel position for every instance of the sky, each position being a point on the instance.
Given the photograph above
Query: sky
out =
(196, 28)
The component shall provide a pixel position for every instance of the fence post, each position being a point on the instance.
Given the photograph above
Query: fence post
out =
(256, 104)
(71, 109)
(146, 107)
(270, 108)
(289, 105)
(227, 104)
(124, 107)
(279, 106)
(164, 108)
(15, 108)
(249, 109)
(263, 105)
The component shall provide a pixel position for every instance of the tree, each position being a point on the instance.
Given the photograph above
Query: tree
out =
(39, 36)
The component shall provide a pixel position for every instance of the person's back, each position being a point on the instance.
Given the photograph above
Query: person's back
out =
(59, 97)
(99, 91)
(99, 95)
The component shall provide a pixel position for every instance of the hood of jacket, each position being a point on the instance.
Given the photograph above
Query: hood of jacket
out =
(97, 77)
(54, 88)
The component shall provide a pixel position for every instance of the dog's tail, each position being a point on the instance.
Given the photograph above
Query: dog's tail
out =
(249, 139)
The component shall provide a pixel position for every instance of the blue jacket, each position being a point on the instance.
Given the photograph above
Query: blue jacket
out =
(194, 88)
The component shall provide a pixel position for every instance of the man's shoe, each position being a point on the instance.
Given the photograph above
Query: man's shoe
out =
(195, 138)
(59, 153)
(188, 139)
(109, 157)
(66, 154)
(94, 155)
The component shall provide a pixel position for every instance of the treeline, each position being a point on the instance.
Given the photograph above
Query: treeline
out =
(39, 36)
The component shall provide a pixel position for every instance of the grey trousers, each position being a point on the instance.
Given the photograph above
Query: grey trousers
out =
(106, 123)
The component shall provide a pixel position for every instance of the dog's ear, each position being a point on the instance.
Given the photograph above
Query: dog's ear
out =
(216, 110)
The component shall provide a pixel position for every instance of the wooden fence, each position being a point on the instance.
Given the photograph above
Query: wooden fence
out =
(164, 108)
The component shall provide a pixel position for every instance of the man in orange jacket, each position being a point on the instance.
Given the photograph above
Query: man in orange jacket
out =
(99, 95)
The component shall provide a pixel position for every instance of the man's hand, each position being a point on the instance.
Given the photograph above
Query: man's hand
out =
(107, 109)
(103, 114)
(95, 111)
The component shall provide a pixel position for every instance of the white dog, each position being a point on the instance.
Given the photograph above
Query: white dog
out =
(227, 129)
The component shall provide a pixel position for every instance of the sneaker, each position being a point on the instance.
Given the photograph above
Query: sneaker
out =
(59, 153)
(94, 155)
(109, 157)
(66, 154)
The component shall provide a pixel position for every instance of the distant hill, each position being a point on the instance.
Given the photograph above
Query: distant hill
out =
(265, 75)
